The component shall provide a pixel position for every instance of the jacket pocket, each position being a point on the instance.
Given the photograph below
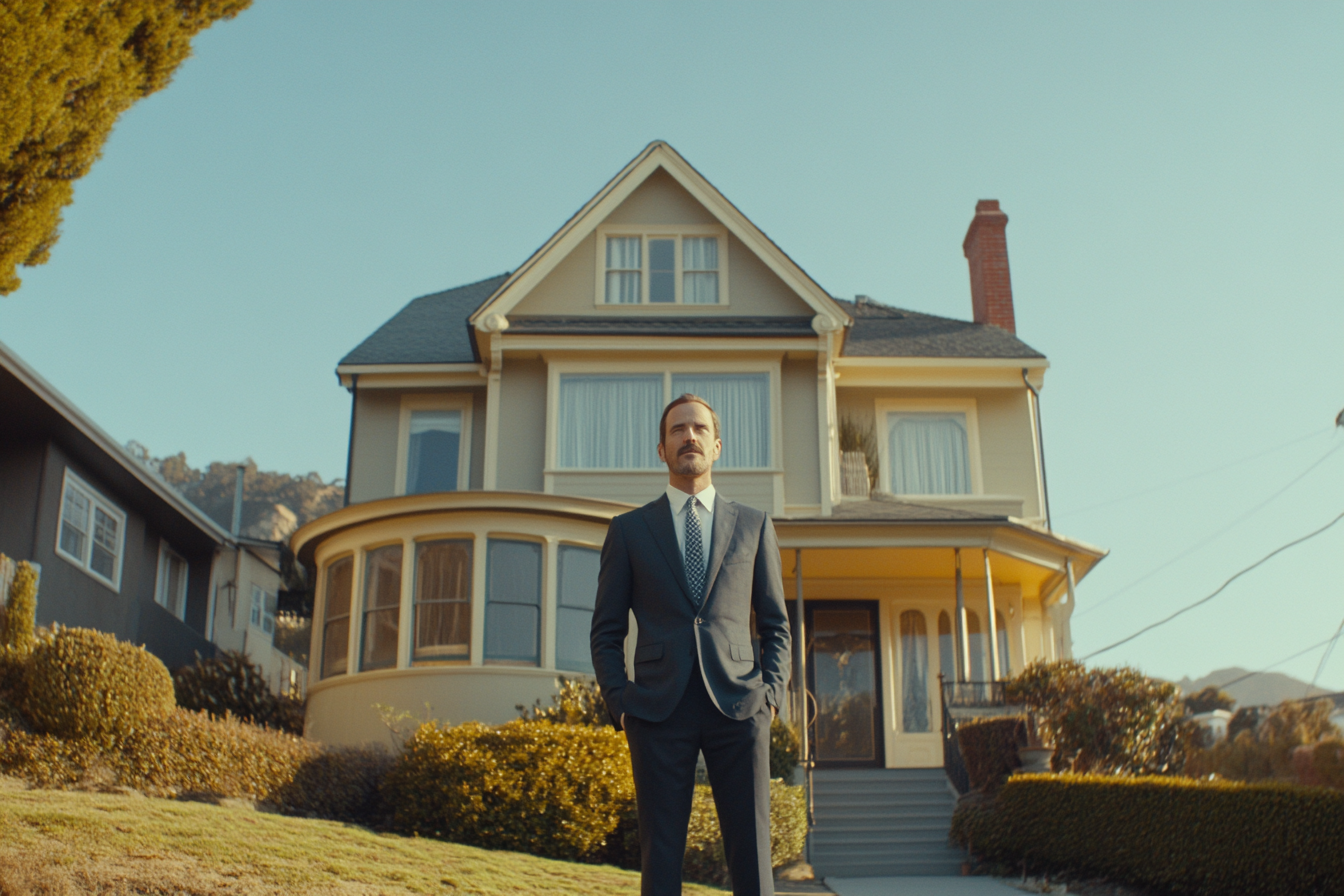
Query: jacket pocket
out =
(742, 653)
(646, 652)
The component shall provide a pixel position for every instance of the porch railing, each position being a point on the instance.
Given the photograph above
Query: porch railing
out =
(973, 694)
(960, 699)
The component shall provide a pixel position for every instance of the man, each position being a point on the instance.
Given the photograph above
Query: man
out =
(694, 567)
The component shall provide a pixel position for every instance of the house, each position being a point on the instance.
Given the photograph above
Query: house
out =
(120, 550)
(497, 427)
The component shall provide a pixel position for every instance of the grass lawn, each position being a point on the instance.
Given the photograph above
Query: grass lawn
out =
(55, 842)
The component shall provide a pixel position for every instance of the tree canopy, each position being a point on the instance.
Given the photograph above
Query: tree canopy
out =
(68, 69)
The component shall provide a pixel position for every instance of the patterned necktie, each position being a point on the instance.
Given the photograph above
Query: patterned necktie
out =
(695, 552)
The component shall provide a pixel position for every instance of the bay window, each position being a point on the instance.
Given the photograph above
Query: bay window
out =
(443, 600)
(576, 593)
(340, 580)
(382, 608)
(513, 602)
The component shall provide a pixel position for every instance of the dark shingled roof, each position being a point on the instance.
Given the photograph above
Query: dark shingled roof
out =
(664, 326)
(430, 330)
(887, 508)
(887, 332)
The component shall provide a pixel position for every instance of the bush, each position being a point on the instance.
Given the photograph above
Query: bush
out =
(1106, 720)
(783, 750)
(86, 685)
(1208, 700)
(537, 787)
(343, 784)
(705, 860)
(1320, 764)
(1266, 751)
(577, 701)
(20, 610)
(231, 685)
(1176, 835)
(989, 749)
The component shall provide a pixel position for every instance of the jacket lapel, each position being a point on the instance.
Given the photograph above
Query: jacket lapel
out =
(658, 517)
(725, 521)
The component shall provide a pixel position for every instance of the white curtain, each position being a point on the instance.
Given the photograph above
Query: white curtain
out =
(742, 401)
(700, 263)
(623, 267)
(914, 672)
(929, 454)
(609, 422)
(947, 649)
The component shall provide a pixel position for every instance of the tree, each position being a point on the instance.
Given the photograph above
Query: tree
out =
(68, 69)
(1208, 700)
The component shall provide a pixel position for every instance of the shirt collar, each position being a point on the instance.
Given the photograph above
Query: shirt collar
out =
(677, 498)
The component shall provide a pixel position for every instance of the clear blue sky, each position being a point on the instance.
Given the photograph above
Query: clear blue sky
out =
(1173, 175)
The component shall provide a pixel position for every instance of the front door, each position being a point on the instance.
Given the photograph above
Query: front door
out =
(843, 675)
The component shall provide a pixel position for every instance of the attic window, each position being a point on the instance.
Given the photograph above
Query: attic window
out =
(662, 268)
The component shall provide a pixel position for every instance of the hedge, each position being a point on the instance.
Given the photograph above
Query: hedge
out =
(989, 749)
(705, 860)
(1178, 835)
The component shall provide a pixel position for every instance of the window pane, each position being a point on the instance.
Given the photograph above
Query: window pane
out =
(513, 602)
(577, 587)
(623, 267)
(700, 253)
(622, 287)
(947, 651)
(382, 606)
(928, 454)
(662, 271)
(104, 558)
(258, 604)
(442, 599)
(609, 422)
(742, 401)
(177, 585)
(623, 253)
(336, 630)
(432, 461)
(914, 672)
(701, 288)
(74, 523)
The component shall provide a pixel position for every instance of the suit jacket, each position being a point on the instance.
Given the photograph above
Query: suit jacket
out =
(642, 571)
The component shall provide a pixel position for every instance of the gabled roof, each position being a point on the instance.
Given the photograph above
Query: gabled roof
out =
(887, 332)
(663, 326)
(655, 156)
(432, 329)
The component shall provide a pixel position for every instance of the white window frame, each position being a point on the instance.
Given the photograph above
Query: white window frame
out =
(454, 402)
(666, 369)
(660, 231)
(966, 406)
(98, 502)
(260, 624)
(176, 603)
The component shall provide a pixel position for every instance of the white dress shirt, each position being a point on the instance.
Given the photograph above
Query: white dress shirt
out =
(677, 499)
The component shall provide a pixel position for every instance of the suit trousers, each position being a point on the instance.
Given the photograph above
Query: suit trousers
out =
(737, 756)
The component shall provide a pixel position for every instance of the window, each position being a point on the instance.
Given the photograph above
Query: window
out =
(91, 531)
(264, 605)
(1001, 631)
(610, 421)
(340, 579)
(434, 444)
(914, 672)
(170, 589)
(947, 651)
(382, 608)
(576, 593)
(443, 600)
(513, 602)
(979, 645)
(929, 452)
(662, 268)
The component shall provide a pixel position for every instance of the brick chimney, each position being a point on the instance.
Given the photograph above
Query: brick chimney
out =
(986, 249)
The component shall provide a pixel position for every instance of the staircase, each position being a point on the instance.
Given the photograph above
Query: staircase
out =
(883, 823)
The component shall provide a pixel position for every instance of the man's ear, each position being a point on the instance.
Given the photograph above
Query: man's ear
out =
(718, 449)
(661, 456)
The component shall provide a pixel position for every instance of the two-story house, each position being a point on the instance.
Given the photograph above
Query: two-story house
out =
(497, 427)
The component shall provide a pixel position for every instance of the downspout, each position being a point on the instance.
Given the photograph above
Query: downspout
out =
(1040, 447)
(350, 448)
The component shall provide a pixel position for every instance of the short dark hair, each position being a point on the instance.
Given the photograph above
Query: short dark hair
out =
(685, 398)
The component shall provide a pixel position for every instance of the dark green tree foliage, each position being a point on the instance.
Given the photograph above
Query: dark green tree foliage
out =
(68, 69)
(212, 490)
(230, 685)
(577, 701)
(1208, 700)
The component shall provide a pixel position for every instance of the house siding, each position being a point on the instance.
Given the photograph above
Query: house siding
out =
(522, 425)
(373, 462)
(20, 482)
(802, 461)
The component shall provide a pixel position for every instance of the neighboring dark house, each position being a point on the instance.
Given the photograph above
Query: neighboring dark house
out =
(120, 550)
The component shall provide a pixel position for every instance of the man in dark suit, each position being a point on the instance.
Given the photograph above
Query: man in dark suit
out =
(694, 568)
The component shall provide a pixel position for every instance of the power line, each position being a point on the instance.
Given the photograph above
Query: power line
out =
(1221, 532)
(1217, 591)
(1241, 678)
(1325, 657)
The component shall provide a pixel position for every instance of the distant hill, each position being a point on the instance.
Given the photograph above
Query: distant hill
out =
(1262, 689)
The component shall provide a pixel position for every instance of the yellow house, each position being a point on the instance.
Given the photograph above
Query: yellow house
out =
(497, 427)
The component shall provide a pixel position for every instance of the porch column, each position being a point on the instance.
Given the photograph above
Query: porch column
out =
(963, 645)
(800, 654)
(994, 664)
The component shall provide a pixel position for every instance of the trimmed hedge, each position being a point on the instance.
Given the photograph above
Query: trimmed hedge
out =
(783, 750)
(989, 749)
(705, 860)
(1177, 835)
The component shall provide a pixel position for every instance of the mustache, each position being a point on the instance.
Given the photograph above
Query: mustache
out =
(689, 449)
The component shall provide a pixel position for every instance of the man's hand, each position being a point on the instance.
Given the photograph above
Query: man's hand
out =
(774, 713)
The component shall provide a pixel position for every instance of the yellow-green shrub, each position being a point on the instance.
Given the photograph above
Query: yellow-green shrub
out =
(989, 749)
(1176, 835)
(343, 784)
(783, 750)
(87, 685)
(705, 859)
(532, 786)
(20, 610)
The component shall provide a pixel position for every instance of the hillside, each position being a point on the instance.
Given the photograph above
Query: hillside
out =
(1263, 689)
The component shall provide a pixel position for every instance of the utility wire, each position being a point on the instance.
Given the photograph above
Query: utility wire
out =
(1184, 479)
(1217, 591)
(1325, 657)
(1221, 532)
(1241, 678)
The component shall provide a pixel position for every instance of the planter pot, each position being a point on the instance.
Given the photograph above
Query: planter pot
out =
(1035, 759)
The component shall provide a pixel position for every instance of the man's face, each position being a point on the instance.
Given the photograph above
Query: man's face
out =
(689, 447)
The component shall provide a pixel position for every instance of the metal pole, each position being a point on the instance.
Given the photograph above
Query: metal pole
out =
(963, 637)
(994, 664)
(800, 667)
(238, 502)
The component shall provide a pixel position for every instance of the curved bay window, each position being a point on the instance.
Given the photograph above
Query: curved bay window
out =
(513, 602)
(576, 593)
(443, 600)
(336, 618)
(914, 672)
(382, 608)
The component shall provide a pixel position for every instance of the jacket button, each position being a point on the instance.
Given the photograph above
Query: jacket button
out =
(699, 621)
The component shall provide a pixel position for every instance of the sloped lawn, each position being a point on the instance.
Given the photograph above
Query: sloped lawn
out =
(56, 842)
